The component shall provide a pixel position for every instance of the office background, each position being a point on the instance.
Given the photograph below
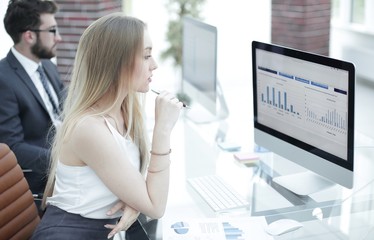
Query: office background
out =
(350, 36)
(301, 24)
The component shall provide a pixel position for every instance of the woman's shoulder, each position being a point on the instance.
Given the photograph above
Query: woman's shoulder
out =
(90, 126)
(90, 139)
(90, 121)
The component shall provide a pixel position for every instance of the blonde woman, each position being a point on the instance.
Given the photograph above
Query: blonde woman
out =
(101, 159)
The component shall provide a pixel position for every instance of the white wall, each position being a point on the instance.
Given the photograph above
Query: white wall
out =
(355, 46)
(5, 40)
(353, 42)
(238, 22)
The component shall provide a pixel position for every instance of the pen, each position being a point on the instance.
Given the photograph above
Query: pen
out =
(157, 92)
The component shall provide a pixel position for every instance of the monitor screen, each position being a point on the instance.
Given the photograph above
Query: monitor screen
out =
(304, 109)
(199, 64)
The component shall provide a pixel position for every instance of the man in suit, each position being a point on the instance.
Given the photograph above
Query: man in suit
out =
(30, 88)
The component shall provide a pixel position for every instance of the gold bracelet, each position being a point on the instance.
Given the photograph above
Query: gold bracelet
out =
(160, 154)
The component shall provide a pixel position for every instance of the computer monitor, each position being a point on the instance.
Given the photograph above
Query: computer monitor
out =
(304, 112)
(199, 71)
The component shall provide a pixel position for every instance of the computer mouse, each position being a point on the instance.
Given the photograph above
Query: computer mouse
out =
(282, 226)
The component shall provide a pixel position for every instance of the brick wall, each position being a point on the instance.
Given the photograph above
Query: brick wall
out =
(73, 18)
(302, 24)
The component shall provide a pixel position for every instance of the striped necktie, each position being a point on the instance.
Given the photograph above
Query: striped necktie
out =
(43, 79)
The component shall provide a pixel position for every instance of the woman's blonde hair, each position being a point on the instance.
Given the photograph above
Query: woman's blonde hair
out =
(104, 65)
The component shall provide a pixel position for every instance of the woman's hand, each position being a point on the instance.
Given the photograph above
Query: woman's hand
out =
(167, 110)
(129, 216)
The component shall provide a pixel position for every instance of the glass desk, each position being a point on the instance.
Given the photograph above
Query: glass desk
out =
(334, 213)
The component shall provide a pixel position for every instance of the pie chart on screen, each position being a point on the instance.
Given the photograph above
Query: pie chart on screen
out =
(180, 227)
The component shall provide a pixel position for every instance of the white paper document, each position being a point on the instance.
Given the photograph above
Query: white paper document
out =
(241, 228)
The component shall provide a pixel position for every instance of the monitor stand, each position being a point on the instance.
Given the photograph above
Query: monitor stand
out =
(303, 183)
(198, 114)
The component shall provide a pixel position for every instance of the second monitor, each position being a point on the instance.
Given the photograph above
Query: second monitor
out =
(199, 72)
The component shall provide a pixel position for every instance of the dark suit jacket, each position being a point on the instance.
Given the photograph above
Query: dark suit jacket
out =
(24, 121)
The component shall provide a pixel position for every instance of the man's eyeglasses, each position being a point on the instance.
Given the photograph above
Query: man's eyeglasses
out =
(53, 30)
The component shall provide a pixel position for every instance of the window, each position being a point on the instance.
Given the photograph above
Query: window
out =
(358, 11)
(335, 9)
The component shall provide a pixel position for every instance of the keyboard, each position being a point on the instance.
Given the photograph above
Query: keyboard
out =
(218, 194)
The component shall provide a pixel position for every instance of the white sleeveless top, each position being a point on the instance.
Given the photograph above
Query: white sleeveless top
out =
(79, 190)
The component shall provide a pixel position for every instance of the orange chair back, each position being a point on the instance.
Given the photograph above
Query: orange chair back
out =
(18, 212)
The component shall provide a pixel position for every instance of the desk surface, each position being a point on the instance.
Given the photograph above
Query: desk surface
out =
(334, 213)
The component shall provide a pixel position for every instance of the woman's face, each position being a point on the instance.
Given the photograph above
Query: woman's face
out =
(145, 67)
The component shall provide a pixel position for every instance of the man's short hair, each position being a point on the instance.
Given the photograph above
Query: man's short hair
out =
(23, 15)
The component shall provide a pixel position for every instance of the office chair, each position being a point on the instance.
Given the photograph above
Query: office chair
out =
(18, 213)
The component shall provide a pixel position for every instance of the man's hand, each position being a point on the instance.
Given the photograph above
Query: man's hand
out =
(129, 216)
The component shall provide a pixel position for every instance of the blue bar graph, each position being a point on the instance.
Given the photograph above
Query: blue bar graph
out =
(275, 99)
